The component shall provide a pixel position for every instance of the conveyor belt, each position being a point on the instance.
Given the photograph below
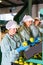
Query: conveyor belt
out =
(35, 61)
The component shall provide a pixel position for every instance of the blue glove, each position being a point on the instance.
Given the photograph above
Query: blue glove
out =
(22, 48)
(38, 39)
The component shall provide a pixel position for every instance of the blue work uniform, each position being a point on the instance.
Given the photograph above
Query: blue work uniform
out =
(8, 49)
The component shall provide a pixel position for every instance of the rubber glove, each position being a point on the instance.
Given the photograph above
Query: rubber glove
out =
(22, 48)
(38, 39)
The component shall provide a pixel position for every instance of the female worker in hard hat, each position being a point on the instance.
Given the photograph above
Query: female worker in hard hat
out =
(9, 44)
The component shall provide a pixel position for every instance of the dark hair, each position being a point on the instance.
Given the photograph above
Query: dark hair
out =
(37, 20)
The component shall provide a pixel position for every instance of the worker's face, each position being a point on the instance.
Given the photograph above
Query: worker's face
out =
(12, 31)
(28, 23)
(36, 23)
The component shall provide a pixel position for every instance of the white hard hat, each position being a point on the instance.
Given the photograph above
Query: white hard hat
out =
(12, 24)
(27, 18)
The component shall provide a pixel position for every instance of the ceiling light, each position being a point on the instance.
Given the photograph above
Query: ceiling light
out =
(0, 1)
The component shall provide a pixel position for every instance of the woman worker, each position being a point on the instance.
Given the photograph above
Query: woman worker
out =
(9, 47)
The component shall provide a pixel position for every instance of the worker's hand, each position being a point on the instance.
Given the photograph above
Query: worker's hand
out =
(22, 48)
(38, 39)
